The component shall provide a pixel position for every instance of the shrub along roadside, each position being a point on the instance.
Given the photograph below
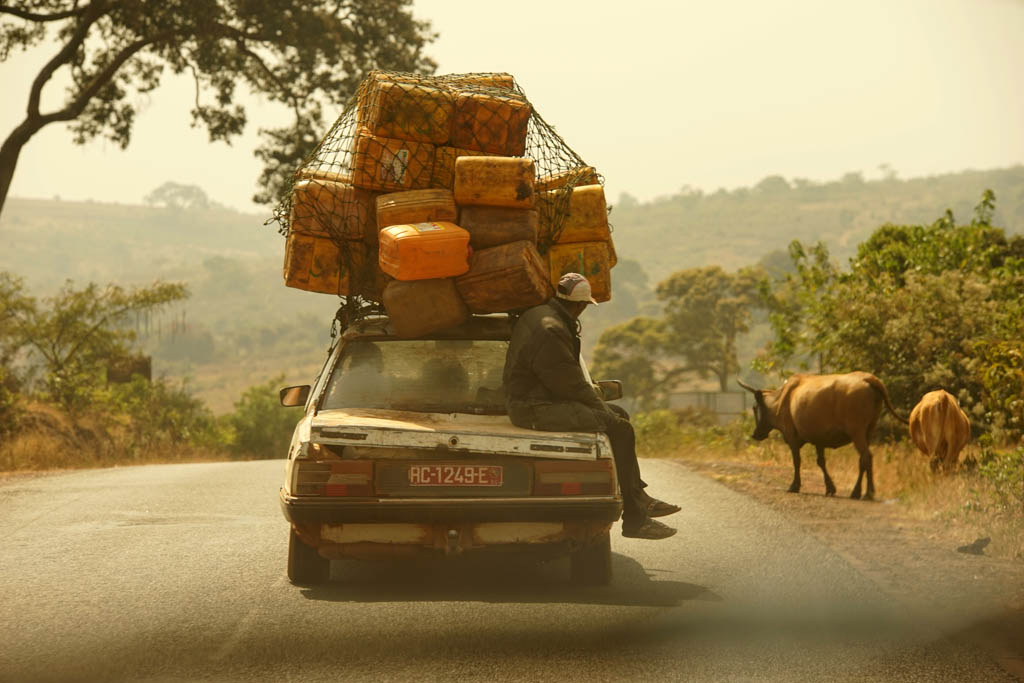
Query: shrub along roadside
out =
(260, 427)
(143, 422)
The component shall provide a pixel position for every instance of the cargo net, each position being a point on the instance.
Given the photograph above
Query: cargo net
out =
(404, 132)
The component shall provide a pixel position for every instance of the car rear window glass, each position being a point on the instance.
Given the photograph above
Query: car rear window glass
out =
(451, 376)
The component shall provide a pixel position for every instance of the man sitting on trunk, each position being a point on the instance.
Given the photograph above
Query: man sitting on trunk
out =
(547, 390)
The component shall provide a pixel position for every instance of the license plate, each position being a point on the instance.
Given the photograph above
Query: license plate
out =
(455, 475)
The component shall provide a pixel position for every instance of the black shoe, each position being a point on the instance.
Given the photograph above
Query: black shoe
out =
(659, 508)
(651, 529)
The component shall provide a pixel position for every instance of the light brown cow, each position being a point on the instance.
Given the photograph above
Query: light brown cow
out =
(940, 428)
(828, 411)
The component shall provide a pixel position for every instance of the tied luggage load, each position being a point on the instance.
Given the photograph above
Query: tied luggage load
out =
(467, 152)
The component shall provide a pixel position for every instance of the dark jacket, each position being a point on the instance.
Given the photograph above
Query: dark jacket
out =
(544, 383)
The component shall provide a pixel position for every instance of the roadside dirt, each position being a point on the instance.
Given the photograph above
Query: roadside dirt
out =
(913, 561)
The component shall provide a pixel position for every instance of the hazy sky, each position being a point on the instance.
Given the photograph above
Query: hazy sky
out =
(657, 95)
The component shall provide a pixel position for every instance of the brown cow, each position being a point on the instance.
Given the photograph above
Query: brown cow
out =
(940, 428)
(828, 411)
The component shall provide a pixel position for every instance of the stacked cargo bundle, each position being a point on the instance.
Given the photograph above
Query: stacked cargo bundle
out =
(583, 241)
(440, 197)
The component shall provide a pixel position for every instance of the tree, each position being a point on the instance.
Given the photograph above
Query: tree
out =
(14, 304)
(262, 427)
(309, 56)
(706, 309)
(78, 331)
(922, 306)
(637, 353)
(800, 307)
(627, 201)
(773, 184)
(178, 196)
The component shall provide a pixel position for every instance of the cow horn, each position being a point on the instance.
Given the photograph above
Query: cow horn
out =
(746, 386)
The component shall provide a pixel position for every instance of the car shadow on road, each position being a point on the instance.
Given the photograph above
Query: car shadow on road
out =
(500, 580)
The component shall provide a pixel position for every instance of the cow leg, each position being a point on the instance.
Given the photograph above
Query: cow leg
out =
(943, 453)
(864, 468)
(795, 486)
(830, 487)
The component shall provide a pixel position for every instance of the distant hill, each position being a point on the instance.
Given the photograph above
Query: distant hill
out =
(242, 326)
(739, 227)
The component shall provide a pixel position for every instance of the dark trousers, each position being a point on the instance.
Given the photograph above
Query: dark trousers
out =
(574, 416)
(621, 412)
(623, 439)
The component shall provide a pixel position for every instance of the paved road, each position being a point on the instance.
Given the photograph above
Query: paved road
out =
(176, 572)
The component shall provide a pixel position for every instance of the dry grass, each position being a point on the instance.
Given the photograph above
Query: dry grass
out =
(964, 500)
(49, 439)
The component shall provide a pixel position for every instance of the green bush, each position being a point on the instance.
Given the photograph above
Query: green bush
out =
(657, 432)
(9, 409)
(1005, 471)
(158, 412)
(262, 427)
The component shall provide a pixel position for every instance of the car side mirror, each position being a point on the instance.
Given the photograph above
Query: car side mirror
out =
(295, 396)
(611, 389)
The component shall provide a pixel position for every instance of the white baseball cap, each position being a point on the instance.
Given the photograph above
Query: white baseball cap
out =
(575, 287)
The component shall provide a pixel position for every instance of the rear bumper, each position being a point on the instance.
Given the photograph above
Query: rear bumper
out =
(304, 510)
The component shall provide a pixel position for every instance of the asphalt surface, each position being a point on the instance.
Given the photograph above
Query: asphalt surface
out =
(177, 572)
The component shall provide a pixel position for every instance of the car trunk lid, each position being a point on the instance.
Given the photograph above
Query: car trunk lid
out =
(454, 433)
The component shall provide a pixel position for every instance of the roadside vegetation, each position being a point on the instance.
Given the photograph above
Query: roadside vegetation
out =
(75, 393)
(922, 307)
(985, 498)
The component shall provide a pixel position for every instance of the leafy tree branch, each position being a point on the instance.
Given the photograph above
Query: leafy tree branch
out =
(308, 56)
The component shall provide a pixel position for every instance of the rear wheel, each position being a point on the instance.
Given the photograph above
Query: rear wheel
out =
(591, 565)
(305, 566)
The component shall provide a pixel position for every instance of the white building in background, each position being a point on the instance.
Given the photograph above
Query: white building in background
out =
(726, 405)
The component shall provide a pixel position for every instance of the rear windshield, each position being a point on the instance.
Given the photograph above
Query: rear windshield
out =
(437, 376)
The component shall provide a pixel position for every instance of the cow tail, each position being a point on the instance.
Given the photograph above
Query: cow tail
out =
(880, 388)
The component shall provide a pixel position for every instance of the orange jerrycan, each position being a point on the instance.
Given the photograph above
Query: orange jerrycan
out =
(424, 251)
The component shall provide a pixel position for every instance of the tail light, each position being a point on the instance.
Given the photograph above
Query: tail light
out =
(333, 478)
(573, 478)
